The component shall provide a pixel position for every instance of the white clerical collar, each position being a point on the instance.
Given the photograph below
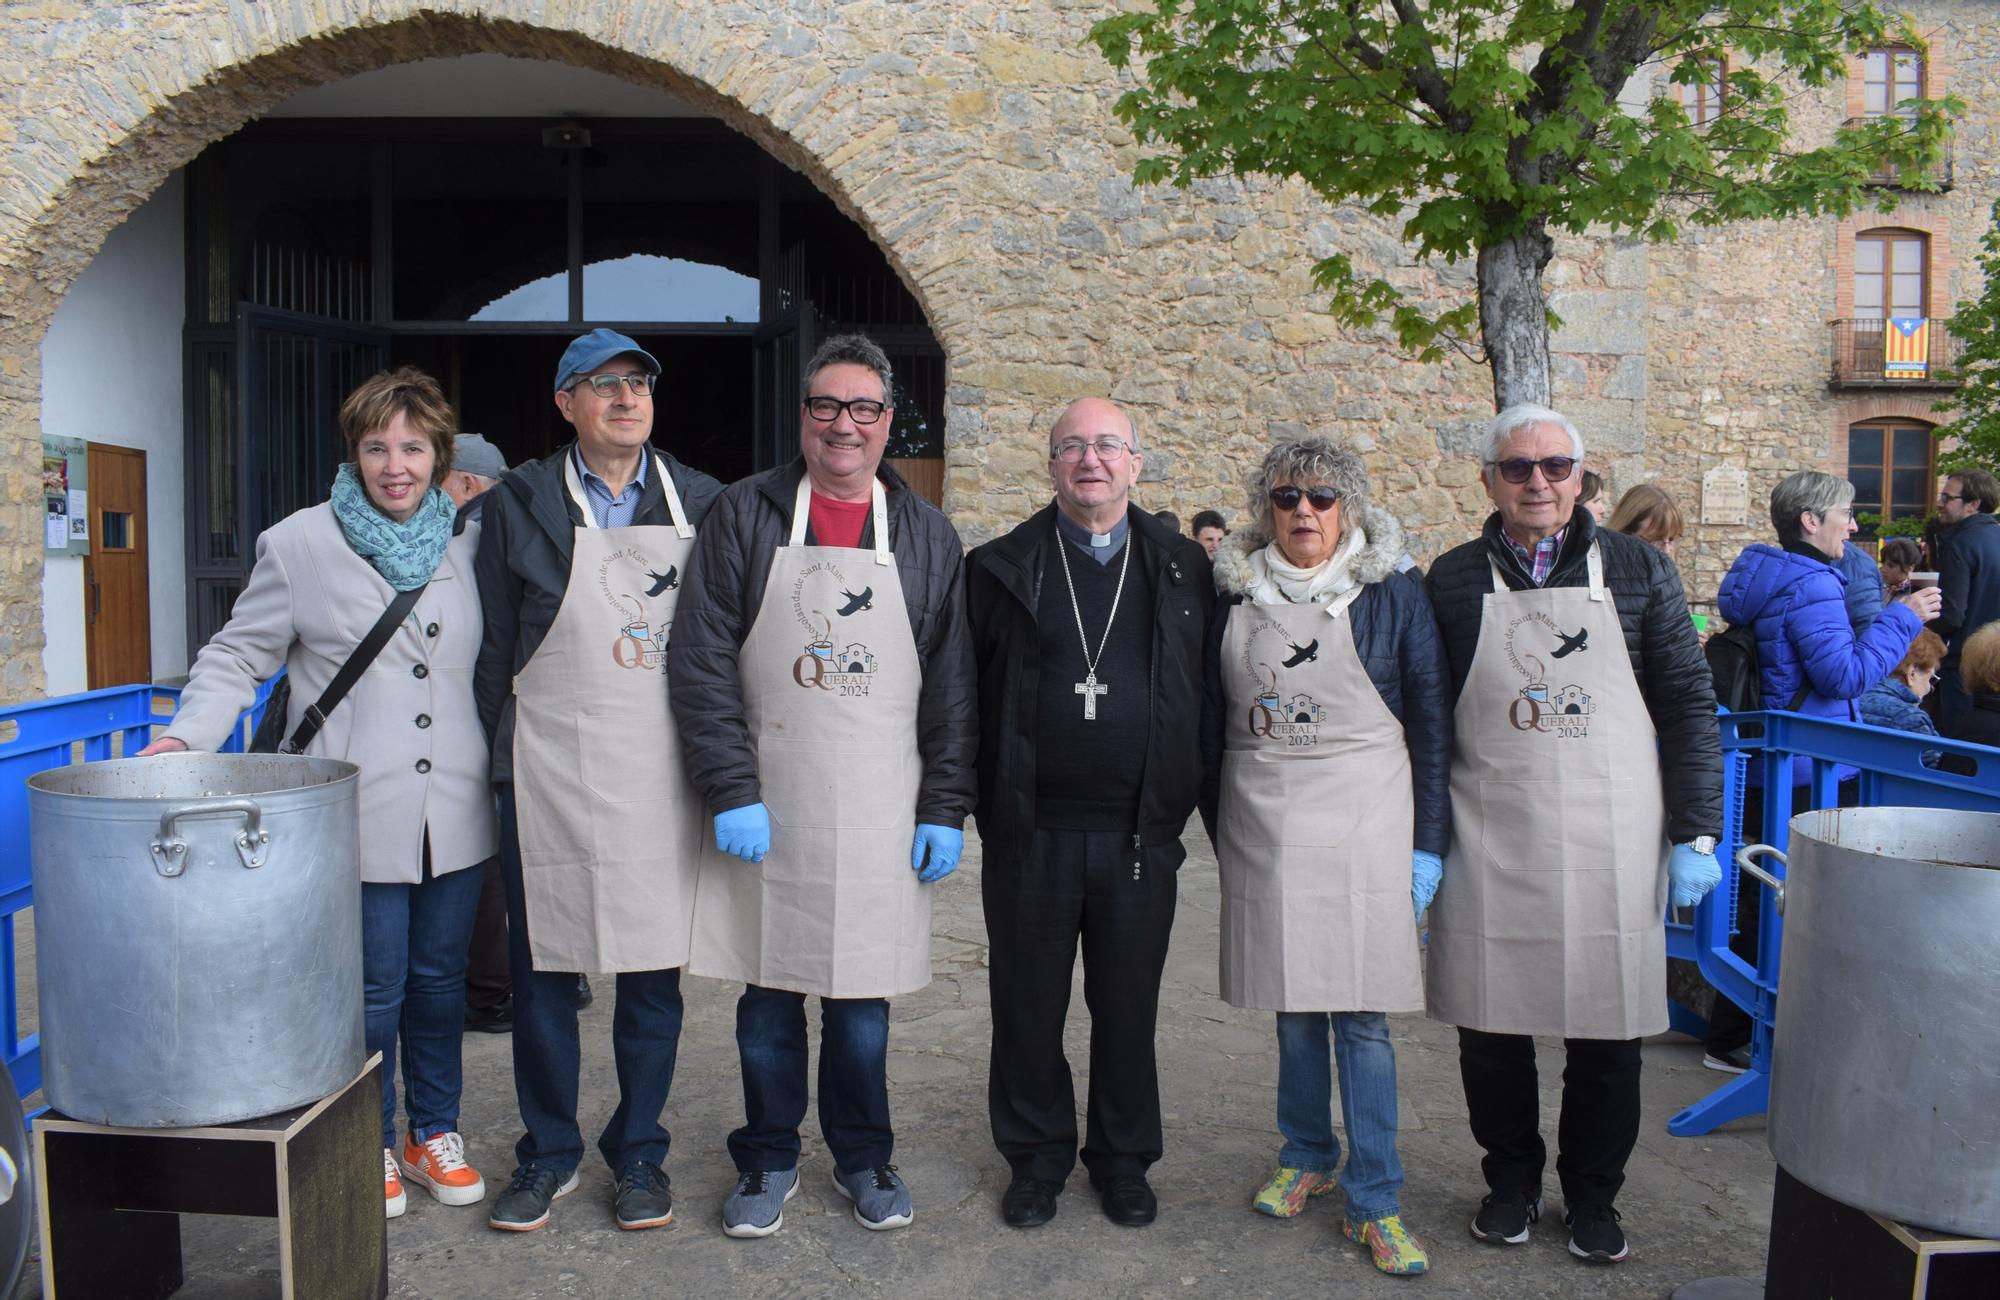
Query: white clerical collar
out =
(1102, 547)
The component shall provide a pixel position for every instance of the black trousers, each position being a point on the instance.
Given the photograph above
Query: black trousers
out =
(1595, 1134)
(486, 981)
(1095, 889)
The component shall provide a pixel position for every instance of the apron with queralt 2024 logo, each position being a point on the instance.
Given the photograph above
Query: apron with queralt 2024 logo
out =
(1316, 821)
(830, 683)
(610, 827)
(1549, 920)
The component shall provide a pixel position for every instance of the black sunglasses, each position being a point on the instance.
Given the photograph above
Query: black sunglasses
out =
(1287, 497)
(1519, 470)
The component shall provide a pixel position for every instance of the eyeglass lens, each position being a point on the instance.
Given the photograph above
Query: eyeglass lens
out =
(606, 386)
(1519, 470)
(1107, 448)
(827, 409)
(1286, 497)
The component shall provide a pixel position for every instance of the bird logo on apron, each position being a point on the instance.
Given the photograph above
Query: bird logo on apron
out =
(823, 664)
(1291, 720)
(1564, 711)
(642, 642)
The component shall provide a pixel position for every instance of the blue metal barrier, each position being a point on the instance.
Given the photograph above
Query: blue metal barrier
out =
(1891, 772)
(46, 734)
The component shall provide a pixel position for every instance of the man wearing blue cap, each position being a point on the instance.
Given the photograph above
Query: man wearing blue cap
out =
(579, 573)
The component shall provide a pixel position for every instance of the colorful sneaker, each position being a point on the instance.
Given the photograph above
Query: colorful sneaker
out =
(392, 1185)
(438, 1163)
(1394, 1250)
(1285, 1195)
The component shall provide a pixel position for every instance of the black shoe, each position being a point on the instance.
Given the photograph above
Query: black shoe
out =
(645, 1198)
(1504, 1217)
(1029, 1202)
(490, 1020)
(524, 1206)
(583, 993)
(1594, 1234)
(1127, 1199)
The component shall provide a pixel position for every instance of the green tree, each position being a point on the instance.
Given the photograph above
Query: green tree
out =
(1490, 125)
(1977, 402)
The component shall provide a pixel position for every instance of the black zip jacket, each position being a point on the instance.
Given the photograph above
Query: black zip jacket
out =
(1002, 587)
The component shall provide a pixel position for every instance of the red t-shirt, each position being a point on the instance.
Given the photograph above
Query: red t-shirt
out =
(837, 523)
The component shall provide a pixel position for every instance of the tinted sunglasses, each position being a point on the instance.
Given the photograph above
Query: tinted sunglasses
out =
(1287, 497)
(1519, 470)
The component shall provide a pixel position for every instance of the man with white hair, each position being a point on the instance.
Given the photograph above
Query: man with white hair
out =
(1571, 655)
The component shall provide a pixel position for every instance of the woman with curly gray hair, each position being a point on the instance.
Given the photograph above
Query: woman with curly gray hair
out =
(1326, 741)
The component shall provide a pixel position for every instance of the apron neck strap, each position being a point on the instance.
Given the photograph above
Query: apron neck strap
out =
(674, 511)
(1593, 564)
(879, 506)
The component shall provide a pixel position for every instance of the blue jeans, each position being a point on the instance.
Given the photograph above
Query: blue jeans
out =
(1373, 1177)
(853, 1080)
(645, 1042)
(413, 945)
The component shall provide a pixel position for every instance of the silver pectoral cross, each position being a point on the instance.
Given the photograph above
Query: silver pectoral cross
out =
(1090, 688)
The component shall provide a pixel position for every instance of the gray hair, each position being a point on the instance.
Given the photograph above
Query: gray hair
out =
(850, 350)
(1808, 490)
(1525, 415)
(1305, 462)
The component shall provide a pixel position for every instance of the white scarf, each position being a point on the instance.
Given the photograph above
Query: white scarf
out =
(1276, 581)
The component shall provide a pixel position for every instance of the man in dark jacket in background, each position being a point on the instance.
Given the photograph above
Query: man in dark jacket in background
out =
(1571, 652)
(1087, 623)
(567, 615)
(1968, 576)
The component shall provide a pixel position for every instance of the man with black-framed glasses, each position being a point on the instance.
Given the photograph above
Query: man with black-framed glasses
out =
(579, 567)
(1571, 654)
(1968, 565)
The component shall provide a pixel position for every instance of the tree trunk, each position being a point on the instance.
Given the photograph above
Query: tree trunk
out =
(1514, 317)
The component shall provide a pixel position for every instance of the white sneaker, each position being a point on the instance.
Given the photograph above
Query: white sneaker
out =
(392, 1185)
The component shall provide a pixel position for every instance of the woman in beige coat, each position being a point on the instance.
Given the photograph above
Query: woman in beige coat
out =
(323, 577)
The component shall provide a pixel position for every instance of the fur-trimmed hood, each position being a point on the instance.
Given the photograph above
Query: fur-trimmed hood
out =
(1374, 562)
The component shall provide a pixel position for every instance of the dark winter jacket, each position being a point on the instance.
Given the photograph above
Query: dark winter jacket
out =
(1002, 589)
(529, 528)
(1660, 640)
(1396, 638)
(1864, 587)
(1968, 579)
(1979, 721)
(724, 589)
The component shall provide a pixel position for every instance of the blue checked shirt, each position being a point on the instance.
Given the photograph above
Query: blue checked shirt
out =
(1542, 559)
(612, 511)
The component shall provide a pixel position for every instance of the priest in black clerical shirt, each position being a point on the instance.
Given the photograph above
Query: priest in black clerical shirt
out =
(1087, 622)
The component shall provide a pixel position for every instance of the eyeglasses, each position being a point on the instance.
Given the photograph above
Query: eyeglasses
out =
(1949, 496)
(1071, 453)
(1519, 470)
(606, 386)
(1287, 497)
(827, 409)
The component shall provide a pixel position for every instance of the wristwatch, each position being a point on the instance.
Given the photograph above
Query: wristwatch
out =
(1703, 844)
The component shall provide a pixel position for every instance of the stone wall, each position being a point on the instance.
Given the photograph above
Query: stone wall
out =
(976, 143)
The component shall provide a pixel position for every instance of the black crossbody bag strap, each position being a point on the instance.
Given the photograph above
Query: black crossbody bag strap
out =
(350, 672)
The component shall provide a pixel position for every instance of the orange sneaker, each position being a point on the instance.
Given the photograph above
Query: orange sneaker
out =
(392, 1185)
(439, 1165)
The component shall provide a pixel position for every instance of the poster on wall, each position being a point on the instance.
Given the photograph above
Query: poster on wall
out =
(65, 501)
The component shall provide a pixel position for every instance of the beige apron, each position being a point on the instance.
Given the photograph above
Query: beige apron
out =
(1549, 920)
(1316, 821)
(830, 688)
(610, 828)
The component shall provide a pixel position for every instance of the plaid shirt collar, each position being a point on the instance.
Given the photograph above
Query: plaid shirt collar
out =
(1542, 558)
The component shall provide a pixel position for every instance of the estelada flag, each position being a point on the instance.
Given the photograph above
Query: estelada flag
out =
(1906, 348)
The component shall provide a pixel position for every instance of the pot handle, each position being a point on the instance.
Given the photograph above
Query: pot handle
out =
(1749, 851)
(252, 842)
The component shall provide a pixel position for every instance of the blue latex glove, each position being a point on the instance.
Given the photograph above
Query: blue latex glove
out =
(943, 844)
(1691, 875)
(744, 832)
(1426, 869)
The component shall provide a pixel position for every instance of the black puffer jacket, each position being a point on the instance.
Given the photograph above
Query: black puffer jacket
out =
(1397, 640)
(1666, 655)
(529, 525)
(1003, 587)
(723, 591)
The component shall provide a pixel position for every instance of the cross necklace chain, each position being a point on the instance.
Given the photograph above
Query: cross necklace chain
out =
(1090, 688)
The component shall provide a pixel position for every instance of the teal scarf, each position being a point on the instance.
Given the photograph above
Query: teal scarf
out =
(406, 555)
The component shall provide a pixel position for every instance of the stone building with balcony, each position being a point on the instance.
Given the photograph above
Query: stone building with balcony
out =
(215, 216)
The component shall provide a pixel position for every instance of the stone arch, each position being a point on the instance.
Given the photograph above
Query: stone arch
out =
(171, 94)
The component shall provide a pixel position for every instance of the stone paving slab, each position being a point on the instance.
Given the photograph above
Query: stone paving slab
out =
(1693, 1207)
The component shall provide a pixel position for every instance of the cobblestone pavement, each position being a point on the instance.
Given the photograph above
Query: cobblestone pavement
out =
(1693, 1207)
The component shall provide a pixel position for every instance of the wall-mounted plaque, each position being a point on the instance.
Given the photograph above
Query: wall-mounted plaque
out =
(1725, 495)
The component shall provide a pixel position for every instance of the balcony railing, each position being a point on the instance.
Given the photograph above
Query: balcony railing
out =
(1938, 174)
(1859, 360)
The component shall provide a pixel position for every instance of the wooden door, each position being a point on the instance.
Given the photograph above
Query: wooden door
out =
(118, 624)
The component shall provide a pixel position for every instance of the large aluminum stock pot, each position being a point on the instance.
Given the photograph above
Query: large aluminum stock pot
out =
(197, 936)
(1885, 1076)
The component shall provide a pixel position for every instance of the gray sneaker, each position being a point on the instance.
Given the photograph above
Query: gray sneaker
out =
(881, 1201)
(757, 1207)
